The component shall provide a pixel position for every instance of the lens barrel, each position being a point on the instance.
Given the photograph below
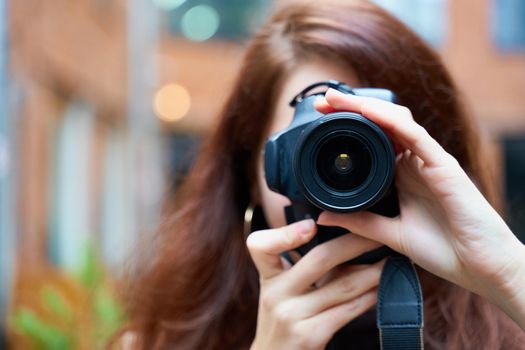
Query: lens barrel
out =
(344, 162)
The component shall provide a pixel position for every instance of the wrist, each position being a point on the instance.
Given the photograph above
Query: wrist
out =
(511, 296)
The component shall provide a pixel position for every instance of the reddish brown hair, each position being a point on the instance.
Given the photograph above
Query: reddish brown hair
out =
(201, 290)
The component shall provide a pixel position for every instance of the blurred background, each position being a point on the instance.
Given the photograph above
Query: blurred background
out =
(103, 104)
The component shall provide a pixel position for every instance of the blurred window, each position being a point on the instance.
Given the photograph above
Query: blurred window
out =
(508, 24)
(201, 20)
(72, 196)
(514, 150)
(116, 220)
(428, 18)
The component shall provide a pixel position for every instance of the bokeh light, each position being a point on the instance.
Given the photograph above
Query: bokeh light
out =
(200, 23)
(168, 5)
(171, 102)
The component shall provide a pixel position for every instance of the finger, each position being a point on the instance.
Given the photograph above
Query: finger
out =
(366, 224)
(324, 258)
(340, 290)
(266, 246)
(338, 272)
(322, 106)
(395, 119)
(328, 322)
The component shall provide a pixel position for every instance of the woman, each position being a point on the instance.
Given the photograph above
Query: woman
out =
(205, 290)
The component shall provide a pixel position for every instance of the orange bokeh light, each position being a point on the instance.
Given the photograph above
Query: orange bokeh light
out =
(171, 102)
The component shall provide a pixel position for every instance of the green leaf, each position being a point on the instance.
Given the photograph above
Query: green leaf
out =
(91, 273)
(108, 314)
(42, 335)
(55, 303)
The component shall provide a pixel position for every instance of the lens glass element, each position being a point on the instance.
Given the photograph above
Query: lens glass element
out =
(343, 162)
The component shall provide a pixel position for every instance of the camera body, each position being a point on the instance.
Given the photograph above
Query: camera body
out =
(340, 162)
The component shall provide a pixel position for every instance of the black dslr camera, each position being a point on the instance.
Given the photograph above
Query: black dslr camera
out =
(340, 162)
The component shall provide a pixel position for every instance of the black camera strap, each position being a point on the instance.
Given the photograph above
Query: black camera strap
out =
(400, 306)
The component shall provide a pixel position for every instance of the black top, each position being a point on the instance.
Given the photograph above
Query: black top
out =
(361, 333)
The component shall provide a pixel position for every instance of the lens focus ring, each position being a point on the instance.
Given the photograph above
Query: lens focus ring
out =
(344, 162)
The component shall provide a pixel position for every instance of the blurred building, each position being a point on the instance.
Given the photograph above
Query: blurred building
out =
(108, 101)
(89, 78)
(486, 54)
(68, 77)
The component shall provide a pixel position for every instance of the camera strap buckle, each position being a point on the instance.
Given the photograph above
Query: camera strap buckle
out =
(400, 306)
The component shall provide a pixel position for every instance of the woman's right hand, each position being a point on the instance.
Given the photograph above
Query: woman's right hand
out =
(293, 314)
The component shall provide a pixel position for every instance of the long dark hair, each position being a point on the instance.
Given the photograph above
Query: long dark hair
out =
(201, 289)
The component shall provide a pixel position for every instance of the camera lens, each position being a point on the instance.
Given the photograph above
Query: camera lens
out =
(343, 162)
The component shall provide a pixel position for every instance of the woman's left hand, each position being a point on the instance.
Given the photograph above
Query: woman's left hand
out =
(446, 225)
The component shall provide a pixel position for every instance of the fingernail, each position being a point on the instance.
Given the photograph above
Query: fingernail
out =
(306, 227)
(319, 99)
(334, 91)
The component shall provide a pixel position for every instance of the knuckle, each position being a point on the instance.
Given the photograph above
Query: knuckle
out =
(269, 299)
(354, 305)
(348, 286)
(420, 129)
(419, 136)
(405, 111)
(284, 313)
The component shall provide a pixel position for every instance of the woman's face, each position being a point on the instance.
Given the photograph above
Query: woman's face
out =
(305, 74)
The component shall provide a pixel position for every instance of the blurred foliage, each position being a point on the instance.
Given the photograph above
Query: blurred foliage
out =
(54, 310)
